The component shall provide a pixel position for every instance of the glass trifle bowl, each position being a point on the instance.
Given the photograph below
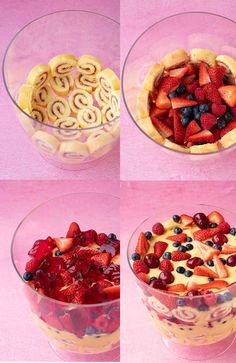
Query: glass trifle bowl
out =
(75, 331)
(185, 31)
(191, 326)
(72, 32)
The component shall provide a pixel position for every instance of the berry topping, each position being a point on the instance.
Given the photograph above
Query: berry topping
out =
(194, 261)
(182, 237)
(204, 271)
(200, 94)
(212, 93)
(41, 248)
(159, 248)
(228, 94)
(218, 110)
(203, 74)
(32, 265)
(169, 84)
(186, 220)
(219, 268)
(166, 265)
(192, 128)
(216, 75)
(64, 244)
(140, 266)
(188, 273)
(158, 229)
(189, 246)
(179, 102)
(182, 248)
(73, 231)
(208, 121)
(201, 220)
(167, 277)
(142, 245)
(151, 260)
(180, 256)
(224, 227)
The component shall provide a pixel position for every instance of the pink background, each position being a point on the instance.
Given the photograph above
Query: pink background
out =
(141, 158)
(139, 200)
(18, 159)
(20, 338)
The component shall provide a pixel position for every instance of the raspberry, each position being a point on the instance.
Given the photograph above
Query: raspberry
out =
(200, 94)
(140, 266)
(166, 265)
(158, 229)
(218, 110)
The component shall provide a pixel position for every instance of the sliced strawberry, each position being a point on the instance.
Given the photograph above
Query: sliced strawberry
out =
(104, 283)
(209, 297)
(188, 79)
(220, 267)
(67, 323)
(200, 94)
(102, 238)
(204, 234)
(162, 128)
(52, 320)
(191, 87)
(159, 248)
(101, 323)
(216, 284)
(212, 93)
(228, 94)
(192, 128)
(70, 290)
(203, 136)
(101, 259)
(180, 256)
(73, 230)
(79, 297)
(179, 102)
(224, 227)
(116, 259)
(228, 249)
(233, 111)
(168, 300)
(216, 75)
(169, 84)
(158, 112)
(179, 72)
(207, 252)
(64, 244)
(186, 220)
(217, 109)
(229, 127)
(166, 265)
(216, 133)
(215, 217)
(66, 278)
(181, 237)
(176, 288)
(170, 122)
(143, 277)
(192, 69)
(85, 252)
(140, 266)
(162, 101)
(32, 265)
(208, 120)
(179, 129)
(203, 74)
(142, 245)
(204, 271)
(113, 291)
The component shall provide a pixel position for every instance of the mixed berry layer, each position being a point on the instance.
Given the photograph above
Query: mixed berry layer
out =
(82, 268)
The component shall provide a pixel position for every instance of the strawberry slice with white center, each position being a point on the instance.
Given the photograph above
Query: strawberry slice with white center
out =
(179, 72)
(215, 217)
(162, 128)
(179, 102)
(186, 220)
(64, 244)
(179, 129)
(203, 74)
(204, 271)
(73, 230)
(207, 252)
(162, 100)
(228, 249)
(142, 245)
(229, 127)
(192, 128)
(216, 75)
(113, 291)
(203, 136)
(169, 84)
(228, 94)
(220, 267)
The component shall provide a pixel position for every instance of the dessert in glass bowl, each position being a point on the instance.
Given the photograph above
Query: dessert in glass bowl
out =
(185, 270)
(72, 278)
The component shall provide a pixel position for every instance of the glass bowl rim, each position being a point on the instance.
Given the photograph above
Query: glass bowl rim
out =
(164, 292)
(12, 41)
(146, 30)
(25, 282)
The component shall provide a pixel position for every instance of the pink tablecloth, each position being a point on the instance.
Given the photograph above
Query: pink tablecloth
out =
(18, 159)
(141, 158)
(140, 341)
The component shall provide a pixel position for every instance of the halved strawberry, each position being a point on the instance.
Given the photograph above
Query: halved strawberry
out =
(229, 127)
(212, 93)
(220, 267)
(216, 133)
(215, 217)
(142, 245)
(166, 265)
(116, 259)
(207, 252)
(52, 320)
(104, 283)
(233, 111)
(181, 237)
(143, 277)
(186, 220)
(179, 102)
(73, 230)
(216, 75)
(32, 265)
(179, 129)
(66, 278)
(180, 256)
(204, 234)
(191, 87)
(162, 128)
(79, 296)
(200, 94)
(192, 128)
(169, 84)
(208, 120)
(204, 271)
(203, 74)
(217, 109)
(140, 266)
(64, 244)
(158, 112)
(113, 291)
(228, 249)
(67, 322)
(216, 284)
(204, 136)
(179, 72)
(228, 94)
(70, 290)
(159, 248)
(169, 121)
(101, 259)
(177, 288)
(192, 69)
(162, 101)
(188, 79)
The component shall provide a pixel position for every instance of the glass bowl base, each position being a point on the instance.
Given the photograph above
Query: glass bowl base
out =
(201, 352)
(110, 356)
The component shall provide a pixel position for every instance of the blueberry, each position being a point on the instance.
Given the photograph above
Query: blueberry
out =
(27, 276)
(167, 256)
(182, 249)
(90, 330)
(233, 231)
(188, 273)
(218, 247)
(148, 235)
(225, 80)
(223, 260)
(152, 279)
(203, 307)
(228, 296)
(185, 121)
(180, 269)
(176, 244)
(189, 239)
(112, 236)
(190, 97)
(197, 116)
(211, 279)
(221, 123)
(177, 230)
(58, 253)
(189, 246)
(203, 107)
(220, 299)
(210, 263)
(181, 89)
(213, 225)
(135, 256)
(180, 302)
(186, 111)
(227, 116)
(176, 218)
(195, 110)
(173, 94)
(209, 243)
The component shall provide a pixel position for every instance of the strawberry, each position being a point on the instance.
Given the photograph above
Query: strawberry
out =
(32, 265)
(158, 112)
(178, 72)
(70, 290)
(102, 238)
(217, 109)
(204, 271)
(101, 323)
(188, 79)
(116, 259)
(170, 122)
(207, 252)
(162, 128)
(216, 75)
(143, 277)
(179, 129)
(203, 234)
(191, 87)
(229, 127)
(168, 300)
(215, 217)
(212, 93)
(180, 256)
(209, 297)
(169, 84)
(67, 322)
(142, 245)
(159, 248)
(179, 102)
(208, 121)
(186, 220)
(73, 230)
(200, 94)
(101, 259)
(216, 284)
(66, 278)
(79, 297)
(104, 283)
(203, 74)
(158, 229)
(192, 69)
(192, 128)
(162, 100)
(140, 266)
(228, 249)
(86, 252)
(52, 320)
(166, 265)
(64, 244)
(113, 292)
(203, 136)
(220, 267)
(233, 111)
(228, 94)
(176, 288)
(181, 237)
(224, 227)
(216, 133)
